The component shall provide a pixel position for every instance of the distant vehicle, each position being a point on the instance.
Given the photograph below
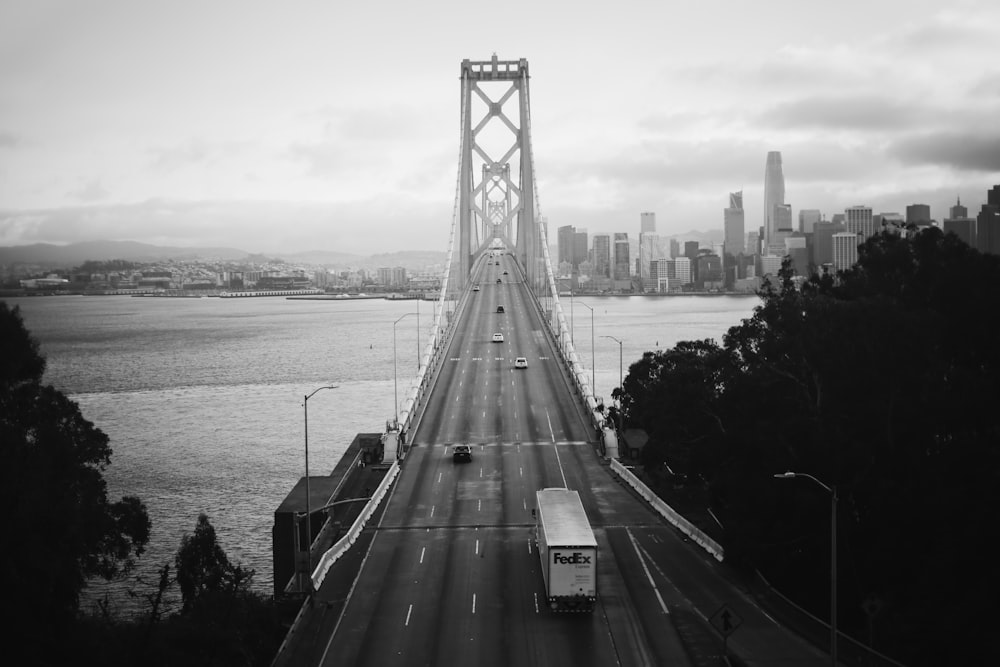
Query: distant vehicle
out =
(567, 550)
(475, 288)
(520, 362)
(498, 263)
(505, 273)
(498, 338)
(499, 281)
(461, 453)
(500, 309)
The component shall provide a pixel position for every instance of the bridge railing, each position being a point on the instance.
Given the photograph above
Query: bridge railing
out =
(560, 332)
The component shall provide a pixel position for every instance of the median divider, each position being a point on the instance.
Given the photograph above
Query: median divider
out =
(668, 512)
(344, 543)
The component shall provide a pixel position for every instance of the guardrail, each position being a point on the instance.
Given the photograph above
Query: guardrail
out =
(668, 512)
(343, 544)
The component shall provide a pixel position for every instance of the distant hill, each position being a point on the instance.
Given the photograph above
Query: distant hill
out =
(75, 254)
(53, 256)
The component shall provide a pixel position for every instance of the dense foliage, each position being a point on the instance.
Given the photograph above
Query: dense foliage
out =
(882, 381)
(61, 528)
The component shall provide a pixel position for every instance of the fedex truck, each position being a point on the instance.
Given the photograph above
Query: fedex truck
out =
(567, 550)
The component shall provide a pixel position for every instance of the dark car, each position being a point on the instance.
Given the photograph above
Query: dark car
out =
(461, 453)
(499, 281)
(499, 309)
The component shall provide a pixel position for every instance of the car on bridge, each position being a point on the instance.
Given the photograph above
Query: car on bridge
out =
(521, 362)
(498, 338)
(505, 273)
(500, 308)
(499, 281)
(475, 288)
(461, 453)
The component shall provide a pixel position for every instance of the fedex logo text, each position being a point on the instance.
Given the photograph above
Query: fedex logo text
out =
(576, 558)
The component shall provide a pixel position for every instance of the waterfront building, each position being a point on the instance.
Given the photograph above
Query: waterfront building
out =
(567, 245)
(648, 251)
(682, 269)
(753, 243)
(675, 248)
(774, 193)
(620, 267)
(770, 265)
(601, 255)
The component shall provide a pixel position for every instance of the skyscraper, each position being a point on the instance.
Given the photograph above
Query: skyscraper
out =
(808, 217)
(859, 221)
(734, 225)
(649, 243)
(918, 214)
(602, 255)
(622, 271)
(774, 193)
(958, 211)
(647, 222)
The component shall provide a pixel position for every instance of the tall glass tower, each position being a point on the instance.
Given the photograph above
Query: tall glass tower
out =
(774, 194)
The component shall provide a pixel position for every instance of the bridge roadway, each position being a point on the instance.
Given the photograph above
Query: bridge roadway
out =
(450, 575)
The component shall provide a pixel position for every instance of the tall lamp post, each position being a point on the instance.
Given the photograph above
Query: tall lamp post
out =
(620, 378)
(305, 409)
(832, 490)
(593, 357)
(395, 388)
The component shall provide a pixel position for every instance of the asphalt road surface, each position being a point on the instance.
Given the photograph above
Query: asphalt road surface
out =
(450, 574)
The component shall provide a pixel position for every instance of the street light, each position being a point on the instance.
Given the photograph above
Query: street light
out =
(593, 357)
(832, 490)
(305, 409)
(621, 389)
(395, 389)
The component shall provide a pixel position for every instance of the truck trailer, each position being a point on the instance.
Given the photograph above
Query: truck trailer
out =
(567, 550)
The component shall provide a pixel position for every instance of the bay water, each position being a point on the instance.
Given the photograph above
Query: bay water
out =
(202, 398)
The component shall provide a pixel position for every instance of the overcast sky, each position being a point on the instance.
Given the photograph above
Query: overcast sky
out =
(334, 124)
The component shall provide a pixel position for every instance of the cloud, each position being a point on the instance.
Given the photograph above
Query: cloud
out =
(195, 151)
(864, 113)
(91, 192)
(967, 151)
(361, 227)
(9, 140)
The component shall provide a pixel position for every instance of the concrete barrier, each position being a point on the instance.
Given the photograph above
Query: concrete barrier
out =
(669, 513)
(344, 543)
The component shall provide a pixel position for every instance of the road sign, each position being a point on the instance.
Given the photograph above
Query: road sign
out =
(725, 620)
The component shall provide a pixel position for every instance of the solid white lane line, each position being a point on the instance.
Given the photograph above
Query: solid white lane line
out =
(422, 550)
(408, 612)
(432, 511)
(473, 603)
(635, 545)
(477, 547)
(549, 420)
(439, 477)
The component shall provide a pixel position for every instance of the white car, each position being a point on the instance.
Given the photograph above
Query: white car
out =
(475, 288)
(520, 362)
(498, 338)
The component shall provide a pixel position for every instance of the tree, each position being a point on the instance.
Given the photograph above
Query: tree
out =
(203, 569)
(883, 381)
(61, 527)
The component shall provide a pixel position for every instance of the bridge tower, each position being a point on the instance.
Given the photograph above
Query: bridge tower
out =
(505, 191)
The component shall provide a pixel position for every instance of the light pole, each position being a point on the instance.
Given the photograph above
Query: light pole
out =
(305, 410)
(593, 356)
(621, 389)
(395, 389)
(832, 490)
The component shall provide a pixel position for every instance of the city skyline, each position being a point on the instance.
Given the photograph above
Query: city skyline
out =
(287, 129)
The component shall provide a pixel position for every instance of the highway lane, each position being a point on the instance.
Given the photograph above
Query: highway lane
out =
(452, 576)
